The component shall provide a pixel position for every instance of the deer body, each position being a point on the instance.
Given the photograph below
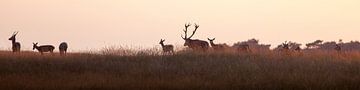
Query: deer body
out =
(194, 44)
(197, 44)
(63, 48)
(15, 45)
(43, 48)
(166, 48)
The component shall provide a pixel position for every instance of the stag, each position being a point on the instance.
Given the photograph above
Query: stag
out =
(43, 48)
(63, 48)
(217, 46)
(15, 45)
(194, 44)
(166, 48)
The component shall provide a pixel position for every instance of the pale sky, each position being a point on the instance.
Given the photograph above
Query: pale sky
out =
(94, 24)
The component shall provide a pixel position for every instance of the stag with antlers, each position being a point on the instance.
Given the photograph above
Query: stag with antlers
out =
(166, 48)
(194, 44)
(217, 46)
(15, 45)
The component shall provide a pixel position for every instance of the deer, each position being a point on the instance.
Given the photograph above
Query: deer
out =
(194, 44)
(166, 48)
(15, 45)
(43, 48)
(63, 48)
(217, 46)
(285, 46)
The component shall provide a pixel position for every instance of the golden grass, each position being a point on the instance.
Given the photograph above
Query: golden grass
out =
(148, 69)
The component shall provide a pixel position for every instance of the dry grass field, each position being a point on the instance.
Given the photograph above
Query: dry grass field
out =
(184, 70)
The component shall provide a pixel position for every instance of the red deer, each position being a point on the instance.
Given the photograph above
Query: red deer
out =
(43, 48)
(217, 46)
(166, 48)
(194, 44)
(15, 45)
(63, 48)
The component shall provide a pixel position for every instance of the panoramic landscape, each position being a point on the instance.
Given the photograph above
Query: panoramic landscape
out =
(181, 44)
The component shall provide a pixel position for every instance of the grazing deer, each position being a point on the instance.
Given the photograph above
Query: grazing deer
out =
(43, 48)
(166, 48)
(63, 48)
(15, 45)
(194, 43)
(217, 46)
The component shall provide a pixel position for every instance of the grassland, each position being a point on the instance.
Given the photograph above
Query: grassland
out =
(184, 70)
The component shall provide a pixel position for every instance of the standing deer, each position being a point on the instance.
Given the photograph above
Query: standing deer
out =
(217, 46)
(63, 48)
(15, 45)
(194, 44)
(43, 48)
(166, 48)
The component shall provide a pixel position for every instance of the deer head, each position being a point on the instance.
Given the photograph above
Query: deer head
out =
(161, 41)
(34, 45)
(285, 45)
(188, 39)
(13, 36)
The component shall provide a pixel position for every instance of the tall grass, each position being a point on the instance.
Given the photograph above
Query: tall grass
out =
(119, 68)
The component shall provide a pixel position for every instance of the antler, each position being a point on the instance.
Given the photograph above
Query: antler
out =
(196, 27)
(185, 30)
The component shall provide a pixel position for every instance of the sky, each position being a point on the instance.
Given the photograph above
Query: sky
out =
(95, 24)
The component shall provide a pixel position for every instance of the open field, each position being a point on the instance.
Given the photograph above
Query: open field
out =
(184, 70)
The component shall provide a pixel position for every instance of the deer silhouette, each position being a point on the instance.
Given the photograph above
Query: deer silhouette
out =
(15, 45)
(63, 48)
(194, 44)
(217, 46)
(285, 46)
(43, 48)
(166, 48)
